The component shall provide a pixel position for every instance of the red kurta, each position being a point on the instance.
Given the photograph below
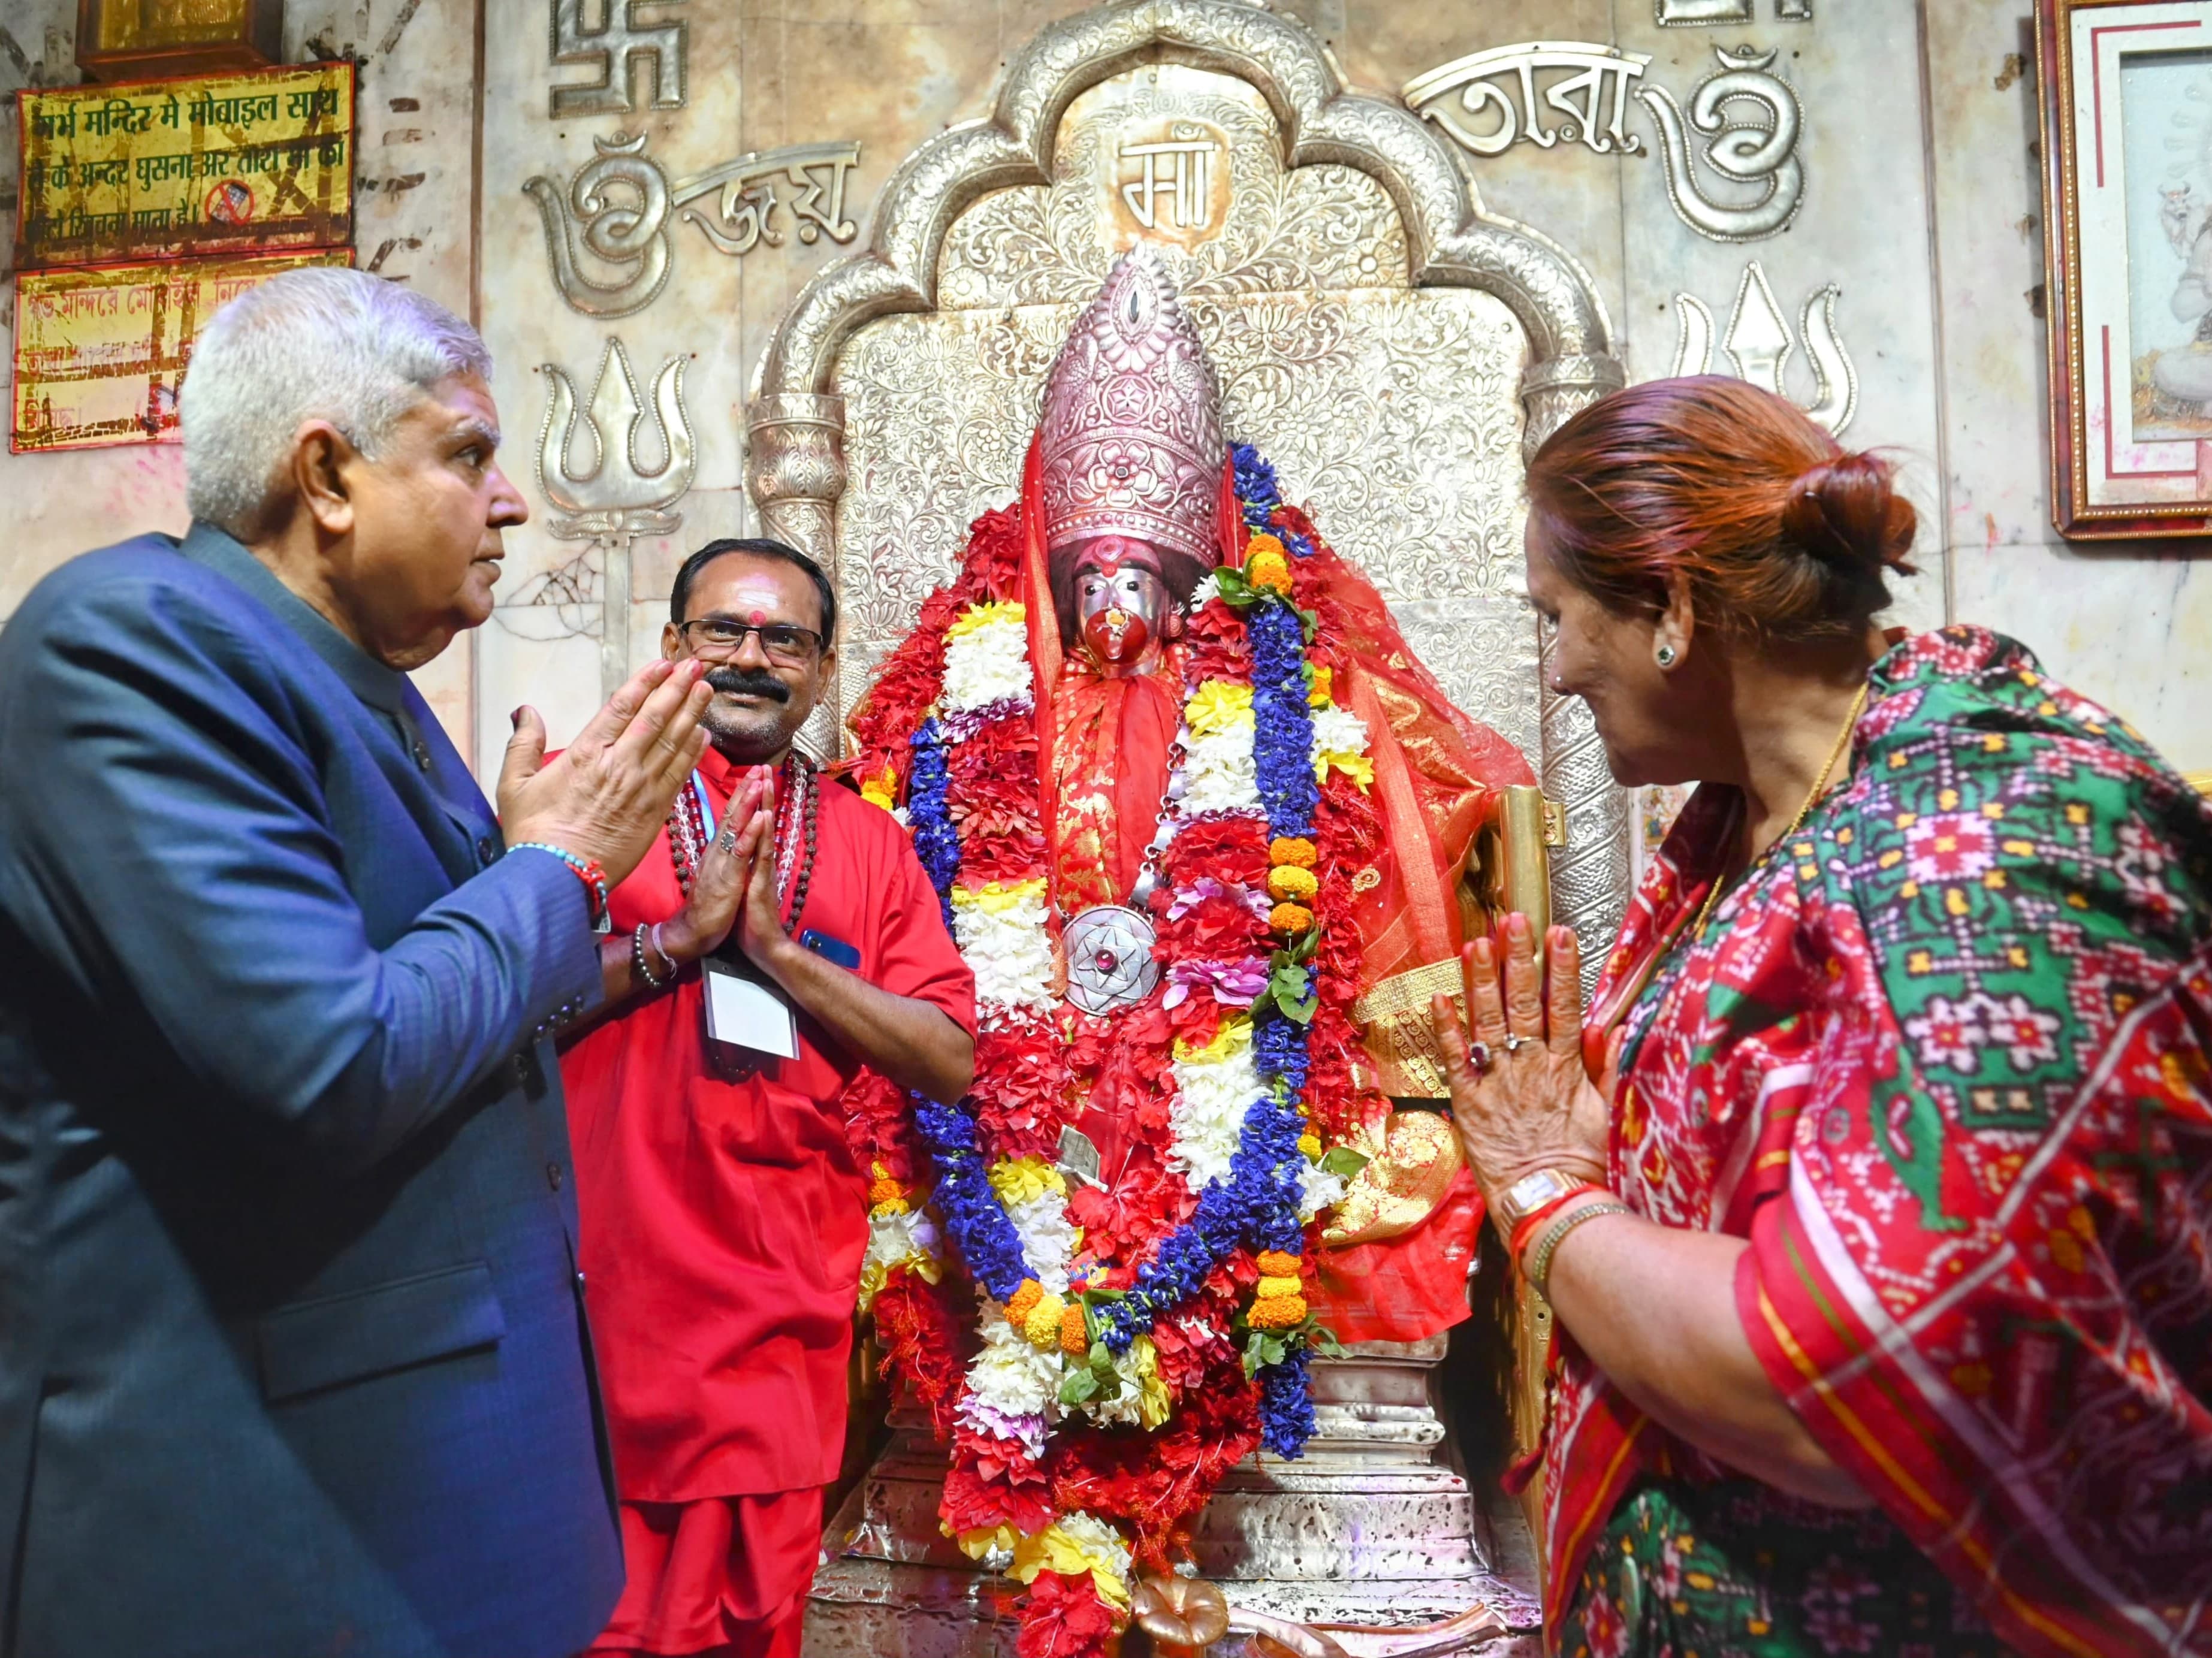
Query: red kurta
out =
(724, 1222)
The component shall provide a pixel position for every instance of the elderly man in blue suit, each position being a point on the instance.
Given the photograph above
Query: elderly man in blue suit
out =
(293, 1357)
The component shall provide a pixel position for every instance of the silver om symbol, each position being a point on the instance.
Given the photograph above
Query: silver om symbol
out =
(1763, 150)
(631, 235)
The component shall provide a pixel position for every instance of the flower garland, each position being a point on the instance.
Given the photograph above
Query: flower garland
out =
(1120, 1347)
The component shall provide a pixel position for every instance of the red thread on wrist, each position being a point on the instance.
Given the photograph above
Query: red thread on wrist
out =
(1525, 1233)
(587, 870)
(595, 883)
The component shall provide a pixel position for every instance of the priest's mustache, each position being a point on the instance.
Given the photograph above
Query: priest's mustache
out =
(735, 681)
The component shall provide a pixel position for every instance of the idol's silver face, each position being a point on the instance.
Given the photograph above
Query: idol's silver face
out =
(1121, 605)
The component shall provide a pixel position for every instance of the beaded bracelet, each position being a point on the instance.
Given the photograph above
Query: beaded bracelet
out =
(586, 870)
(1538, 1270)
(637, 943)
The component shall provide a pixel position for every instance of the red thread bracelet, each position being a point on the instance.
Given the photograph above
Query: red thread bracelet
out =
(1535, 1220)
(587, 870)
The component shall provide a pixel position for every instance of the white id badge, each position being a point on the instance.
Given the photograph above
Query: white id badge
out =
(743, 1012)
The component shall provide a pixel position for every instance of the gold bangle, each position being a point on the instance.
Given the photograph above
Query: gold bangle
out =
(1538, 1270)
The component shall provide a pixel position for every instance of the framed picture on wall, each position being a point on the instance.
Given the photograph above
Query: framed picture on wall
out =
(2127, 200)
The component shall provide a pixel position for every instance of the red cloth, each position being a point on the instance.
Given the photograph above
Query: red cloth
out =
(724, 1222)
(1415, 1281)
(723, 1578)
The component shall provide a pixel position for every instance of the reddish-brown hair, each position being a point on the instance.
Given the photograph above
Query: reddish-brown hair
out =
(1780, 530)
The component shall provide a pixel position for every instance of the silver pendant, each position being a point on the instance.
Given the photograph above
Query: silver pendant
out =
(1110, 958)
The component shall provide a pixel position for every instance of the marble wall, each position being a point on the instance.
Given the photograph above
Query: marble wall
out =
(1920, 204)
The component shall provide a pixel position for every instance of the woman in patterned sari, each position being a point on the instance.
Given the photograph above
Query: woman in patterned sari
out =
(1873, 1197)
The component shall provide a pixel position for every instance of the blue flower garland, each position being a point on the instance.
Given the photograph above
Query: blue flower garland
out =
(1282, 753)
(1282, 718)
(1286, 1412)
(966, 1199)
(935, 840)
(1260, 495)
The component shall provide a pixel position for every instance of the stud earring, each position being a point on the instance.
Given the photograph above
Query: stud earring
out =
(1666, 656)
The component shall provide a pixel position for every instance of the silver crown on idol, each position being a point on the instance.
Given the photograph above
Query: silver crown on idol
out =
(1131, 439)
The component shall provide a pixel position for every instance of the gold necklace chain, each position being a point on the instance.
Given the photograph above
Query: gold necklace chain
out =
(1820, 787)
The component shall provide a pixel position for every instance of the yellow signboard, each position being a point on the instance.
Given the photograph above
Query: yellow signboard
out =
(100, 352)
(210, 164)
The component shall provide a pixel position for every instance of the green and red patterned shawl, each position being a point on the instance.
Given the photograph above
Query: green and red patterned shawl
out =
(1943, 1057)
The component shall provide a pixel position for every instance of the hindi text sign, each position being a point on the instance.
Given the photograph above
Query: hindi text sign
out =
(215, 163)
(100, 352)
(1171, 182)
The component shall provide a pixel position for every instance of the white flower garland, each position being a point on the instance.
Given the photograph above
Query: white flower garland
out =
(1009, 1375)
(1000, 929)
(1215, 1087)
(987, 659)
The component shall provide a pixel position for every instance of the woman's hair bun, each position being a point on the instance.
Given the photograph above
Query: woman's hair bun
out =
(1778, 532)
(1845, 511)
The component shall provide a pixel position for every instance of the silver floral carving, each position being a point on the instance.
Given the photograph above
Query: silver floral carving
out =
(1287, 230)
(613, 497)
(623, 48)
(617, 207)
(1324, 131)
(1369, 177)
(1758, 151)
(1392, 413)
(1593, 94)
(1449, 242)
(1759, 343)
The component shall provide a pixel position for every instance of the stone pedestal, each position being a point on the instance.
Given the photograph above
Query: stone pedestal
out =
(1368, 1536)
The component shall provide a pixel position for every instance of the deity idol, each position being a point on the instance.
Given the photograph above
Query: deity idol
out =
(1201, 822)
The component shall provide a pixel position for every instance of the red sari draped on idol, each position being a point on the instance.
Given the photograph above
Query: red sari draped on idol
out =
(1437, 774)
(1941, 1058)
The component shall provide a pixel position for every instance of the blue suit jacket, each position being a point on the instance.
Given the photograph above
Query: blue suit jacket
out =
(293, 1359)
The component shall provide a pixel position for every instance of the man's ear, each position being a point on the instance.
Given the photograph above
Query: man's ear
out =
(672, 640)
(320, 455)
(825, 676)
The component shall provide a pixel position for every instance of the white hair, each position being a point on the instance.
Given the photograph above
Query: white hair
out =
(315, 344)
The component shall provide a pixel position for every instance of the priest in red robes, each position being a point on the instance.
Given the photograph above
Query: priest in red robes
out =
(724, 1220)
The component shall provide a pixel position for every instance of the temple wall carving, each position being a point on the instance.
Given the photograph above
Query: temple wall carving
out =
(1902, 153)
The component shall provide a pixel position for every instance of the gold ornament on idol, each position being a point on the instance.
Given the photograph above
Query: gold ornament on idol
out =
(1820, 787)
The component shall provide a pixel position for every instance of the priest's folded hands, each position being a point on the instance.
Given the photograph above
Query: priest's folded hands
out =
(1654, 1307)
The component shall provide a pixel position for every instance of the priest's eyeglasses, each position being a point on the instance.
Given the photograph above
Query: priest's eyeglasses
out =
(717, 639)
